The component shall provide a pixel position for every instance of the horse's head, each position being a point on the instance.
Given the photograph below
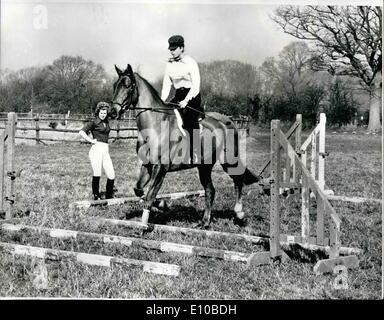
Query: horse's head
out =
(125, 95)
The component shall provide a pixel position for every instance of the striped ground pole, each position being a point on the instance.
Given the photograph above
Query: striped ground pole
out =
(90, 259)
(353, 199)
(186, 231)
(286, 240)
(162, 246)
(118, 201)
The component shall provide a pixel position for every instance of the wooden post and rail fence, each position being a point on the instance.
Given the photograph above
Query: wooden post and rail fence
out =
(37, 121)
(48, 123)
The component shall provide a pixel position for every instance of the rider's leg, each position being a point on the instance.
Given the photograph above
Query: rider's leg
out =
(96, 158)
(109, 171)
(192, 115)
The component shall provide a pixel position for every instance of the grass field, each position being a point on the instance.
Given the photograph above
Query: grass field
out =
(54, 176)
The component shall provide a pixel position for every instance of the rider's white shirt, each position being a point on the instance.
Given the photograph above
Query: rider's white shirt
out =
(183, 73)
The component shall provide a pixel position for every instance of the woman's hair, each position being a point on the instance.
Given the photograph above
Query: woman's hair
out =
(101, 105)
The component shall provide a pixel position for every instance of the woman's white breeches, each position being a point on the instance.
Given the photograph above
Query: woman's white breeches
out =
(99, 156)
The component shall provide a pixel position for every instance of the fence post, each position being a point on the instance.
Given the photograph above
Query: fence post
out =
(117, 130)
(37, 129)
(320, 210)
(296, 170)
(314, 155)
(305, 231)
(274, 231)
(321, 180)
(305, 225)
(3, 138)
(334, 238)
(10, 197)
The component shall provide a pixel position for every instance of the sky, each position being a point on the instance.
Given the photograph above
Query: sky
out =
(35, 33)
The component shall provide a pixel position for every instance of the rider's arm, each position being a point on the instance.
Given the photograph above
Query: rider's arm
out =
(83, 132)
(195, 78)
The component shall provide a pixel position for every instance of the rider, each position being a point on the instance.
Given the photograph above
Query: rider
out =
(99, 152)
(183, 73)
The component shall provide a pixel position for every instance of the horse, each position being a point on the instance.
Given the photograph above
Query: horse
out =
(155, 120)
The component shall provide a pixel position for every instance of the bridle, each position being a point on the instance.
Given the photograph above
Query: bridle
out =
(128, 103)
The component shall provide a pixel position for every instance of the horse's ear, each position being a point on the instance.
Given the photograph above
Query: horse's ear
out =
(129, 69)
(130, 73)
(119, 72)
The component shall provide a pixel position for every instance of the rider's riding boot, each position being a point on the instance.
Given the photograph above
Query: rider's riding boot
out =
(195, 150)
(194, 157)
(109, 189)
(95, 187)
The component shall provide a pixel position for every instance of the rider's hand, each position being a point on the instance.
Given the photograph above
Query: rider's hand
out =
(183, 104)
(93, 141)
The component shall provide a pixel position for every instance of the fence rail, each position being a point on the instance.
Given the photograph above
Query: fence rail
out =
(40, 125)
(49, 123)
(57, 116)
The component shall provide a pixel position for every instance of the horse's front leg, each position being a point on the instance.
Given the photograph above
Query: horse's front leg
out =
(157, 178)
(144, 177)
(206, 181)
(240, 216)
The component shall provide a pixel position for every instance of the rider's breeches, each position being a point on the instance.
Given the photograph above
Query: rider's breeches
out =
(190, 115)
(100, 158)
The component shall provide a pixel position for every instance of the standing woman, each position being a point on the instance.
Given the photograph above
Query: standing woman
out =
(182, 72)
(99, 152)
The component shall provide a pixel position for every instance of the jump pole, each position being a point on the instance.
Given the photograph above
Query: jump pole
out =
(162, 246)
(90, 259)
(285, 240)
(118, 201)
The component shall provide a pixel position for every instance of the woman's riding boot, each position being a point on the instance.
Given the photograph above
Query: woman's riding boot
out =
(95, 187)
(109, 189)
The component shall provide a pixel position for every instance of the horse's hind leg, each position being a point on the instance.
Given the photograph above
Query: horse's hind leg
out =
(206, 180)
(238, 181)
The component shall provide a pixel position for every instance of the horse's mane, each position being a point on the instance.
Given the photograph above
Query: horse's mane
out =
(156, 97)
(152, 90)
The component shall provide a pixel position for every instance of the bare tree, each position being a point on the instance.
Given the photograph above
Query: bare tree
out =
(20, 90)
(348, 40)
(290, 73)
(74, 84)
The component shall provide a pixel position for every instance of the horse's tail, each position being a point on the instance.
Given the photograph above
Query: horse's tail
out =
(249, 177)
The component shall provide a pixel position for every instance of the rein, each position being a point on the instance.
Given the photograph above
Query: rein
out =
(129, 106)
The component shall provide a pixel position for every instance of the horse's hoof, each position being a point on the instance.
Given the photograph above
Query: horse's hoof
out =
(138, 192)
(240, 215)
(240, 222)
(161, 205)
(144, 232)
(203, 225)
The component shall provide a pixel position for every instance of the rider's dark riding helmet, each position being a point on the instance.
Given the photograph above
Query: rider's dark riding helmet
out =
(175, 42)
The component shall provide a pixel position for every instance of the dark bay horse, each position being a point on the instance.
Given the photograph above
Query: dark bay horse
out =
(160, 142)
